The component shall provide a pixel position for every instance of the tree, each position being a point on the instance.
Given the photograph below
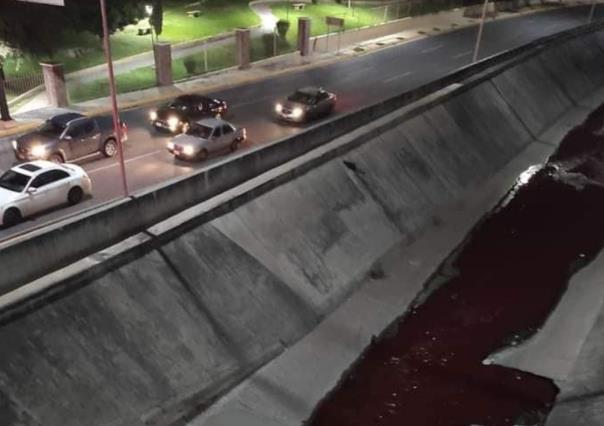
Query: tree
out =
(39, 29)
(157, 17)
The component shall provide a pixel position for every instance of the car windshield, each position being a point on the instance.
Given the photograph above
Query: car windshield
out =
(201, 131)
(52, 127)
(14, 181)
(301, 98)
(180, 105)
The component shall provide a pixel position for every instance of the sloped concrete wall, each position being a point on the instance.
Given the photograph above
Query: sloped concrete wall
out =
(183, 321)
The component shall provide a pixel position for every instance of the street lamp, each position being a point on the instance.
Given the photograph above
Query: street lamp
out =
(116, 119)
(149, 12)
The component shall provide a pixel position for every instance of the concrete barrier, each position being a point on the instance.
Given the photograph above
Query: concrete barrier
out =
(194, 309)
(66, 241)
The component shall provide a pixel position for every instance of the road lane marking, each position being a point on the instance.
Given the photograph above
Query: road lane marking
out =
(396, 77)
(432, 49)
(140, 157)
(462, 54)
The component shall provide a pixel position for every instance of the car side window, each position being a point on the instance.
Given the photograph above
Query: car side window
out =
(88, 127)
(217, 132)
(76, 130)
(226, 129)
(48, 178)
(41, 180)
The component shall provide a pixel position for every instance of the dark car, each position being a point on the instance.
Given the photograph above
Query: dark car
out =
(178, 115)
(68, 137)
(306, 104)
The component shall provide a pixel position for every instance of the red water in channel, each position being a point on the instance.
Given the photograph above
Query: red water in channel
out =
(511, 272)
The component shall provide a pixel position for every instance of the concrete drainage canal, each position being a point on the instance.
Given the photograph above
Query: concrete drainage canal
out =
(427, 369)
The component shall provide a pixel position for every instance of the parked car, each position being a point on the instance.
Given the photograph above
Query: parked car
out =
(34, 187)
(68, 137)
(206, 136)
(177, 115)
(306, 104)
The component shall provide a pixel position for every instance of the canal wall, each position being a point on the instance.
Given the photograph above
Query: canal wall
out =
(194, 305)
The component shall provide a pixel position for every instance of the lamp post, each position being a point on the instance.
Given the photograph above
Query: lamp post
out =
(116, 119)
(149, 12)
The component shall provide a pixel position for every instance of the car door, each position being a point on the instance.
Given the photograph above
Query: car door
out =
(228, 135)
(47, 190)
(81, 138)
(322, 103)
(315, 107)
(92, 138)
(36, 198)
(216, 140)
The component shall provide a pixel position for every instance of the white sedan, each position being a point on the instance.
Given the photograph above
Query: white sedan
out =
(34, 187)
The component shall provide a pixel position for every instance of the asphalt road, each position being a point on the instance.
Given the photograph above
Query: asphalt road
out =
(361, 81)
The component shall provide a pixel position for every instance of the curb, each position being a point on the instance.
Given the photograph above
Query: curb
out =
(19, 128)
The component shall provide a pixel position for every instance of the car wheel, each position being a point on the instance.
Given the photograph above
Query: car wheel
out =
(203, 155)
(75, 195)
(110, 148)
(11, 217)
(235, 145)
(56, 158)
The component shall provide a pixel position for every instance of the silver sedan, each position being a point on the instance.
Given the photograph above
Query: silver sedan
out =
(204, 137)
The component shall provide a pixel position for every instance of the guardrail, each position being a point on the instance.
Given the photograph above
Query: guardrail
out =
(49, 249)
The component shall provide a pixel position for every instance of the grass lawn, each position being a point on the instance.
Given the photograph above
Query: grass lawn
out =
(85, 50)
(224, 56)
(143, 78)
(353, 18)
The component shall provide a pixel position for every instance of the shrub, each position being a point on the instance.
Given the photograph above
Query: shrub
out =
(190, 65)
(282, 27)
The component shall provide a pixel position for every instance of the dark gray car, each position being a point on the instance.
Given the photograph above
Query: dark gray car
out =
(306, 104)
(68, 137)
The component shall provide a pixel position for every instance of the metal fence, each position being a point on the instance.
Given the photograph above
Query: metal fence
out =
(16, 86)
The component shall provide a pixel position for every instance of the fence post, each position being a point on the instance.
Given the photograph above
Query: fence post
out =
(205, 55)
(304, 36)
(163, 63)
(243, 47)
(54, 81)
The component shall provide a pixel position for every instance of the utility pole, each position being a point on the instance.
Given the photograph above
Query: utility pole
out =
(480, 28)
(591, 11)
(116, 119)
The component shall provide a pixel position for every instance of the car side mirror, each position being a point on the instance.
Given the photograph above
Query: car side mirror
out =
(67, 138)
(31, 190)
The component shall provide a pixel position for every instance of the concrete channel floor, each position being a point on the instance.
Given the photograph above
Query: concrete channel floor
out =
(285, 391)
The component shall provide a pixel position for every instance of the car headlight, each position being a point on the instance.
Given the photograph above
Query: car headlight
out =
(278, 108)
(153, 115)
(173, 123)
(170, 146)
(188, 150)
(38, 151)
(14, 142)
(297, 112)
